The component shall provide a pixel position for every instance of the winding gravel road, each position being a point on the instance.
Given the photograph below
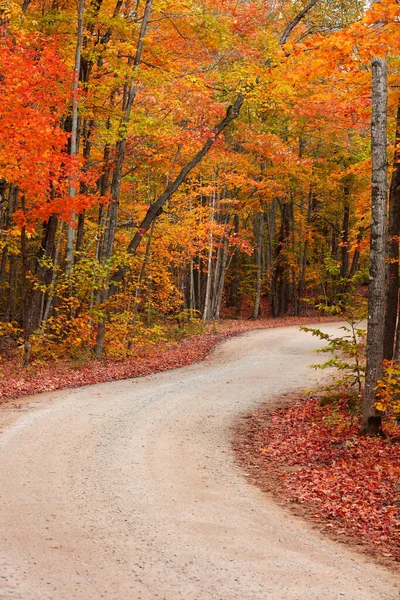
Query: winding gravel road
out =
(128, 491)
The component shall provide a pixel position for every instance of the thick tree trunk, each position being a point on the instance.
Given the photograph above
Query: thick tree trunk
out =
(371, 424)
(392, 292)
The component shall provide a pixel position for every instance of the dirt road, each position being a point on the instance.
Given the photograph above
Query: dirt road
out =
(128, 491)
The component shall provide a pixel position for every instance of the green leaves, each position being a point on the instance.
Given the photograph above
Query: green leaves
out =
(348, 353)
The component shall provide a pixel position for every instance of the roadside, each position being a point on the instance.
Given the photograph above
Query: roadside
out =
(310, 458)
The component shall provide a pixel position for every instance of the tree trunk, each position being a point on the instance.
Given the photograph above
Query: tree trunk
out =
(344, 242)
(221, 279)
(138, 286)
(281, 287)
(50, 294)
(356, 255)
(392, 291)
(111, 225)
(371, 424)
(207, 298)
(74, 136)
(258, 254)
(304, 254)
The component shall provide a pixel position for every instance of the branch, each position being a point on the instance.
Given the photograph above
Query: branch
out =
(25, 6)
(156, 208)
(296, 21)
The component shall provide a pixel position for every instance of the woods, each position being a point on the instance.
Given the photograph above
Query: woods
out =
(165, 162)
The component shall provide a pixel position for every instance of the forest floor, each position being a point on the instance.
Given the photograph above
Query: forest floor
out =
(309, 455)
(17, 381)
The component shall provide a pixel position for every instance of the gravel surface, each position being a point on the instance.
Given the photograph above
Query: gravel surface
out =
(129, 491)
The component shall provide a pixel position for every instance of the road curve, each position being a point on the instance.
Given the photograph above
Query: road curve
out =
(128, 491)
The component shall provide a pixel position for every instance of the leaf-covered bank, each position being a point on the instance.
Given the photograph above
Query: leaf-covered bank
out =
(311, 457)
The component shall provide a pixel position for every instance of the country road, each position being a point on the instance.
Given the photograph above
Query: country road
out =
(129, 491)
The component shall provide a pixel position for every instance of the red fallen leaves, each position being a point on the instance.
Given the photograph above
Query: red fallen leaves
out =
(16, 381)
(351, 483)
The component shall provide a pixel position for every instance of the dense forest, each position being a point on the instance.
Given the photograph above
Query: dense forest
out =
(166, 161)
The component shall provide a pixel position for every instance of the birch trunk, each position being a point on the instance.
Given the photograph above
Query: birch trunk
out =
(371, 424)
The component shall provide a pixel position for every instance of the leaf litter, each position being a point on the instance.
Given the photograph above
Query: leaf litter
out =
(312, 457)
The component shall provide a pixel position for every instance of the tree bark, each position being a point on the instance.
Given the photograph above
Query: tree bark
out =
(139, 284)
(281, 286)
(344, 242)
(220, 278)
(74, 137)
(258, 253)
(392, 291)
(129, 97)
(207, 298)
(371, 423)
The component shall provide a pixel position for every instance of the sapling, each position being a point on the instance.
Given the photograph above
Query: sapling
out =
(348, 350)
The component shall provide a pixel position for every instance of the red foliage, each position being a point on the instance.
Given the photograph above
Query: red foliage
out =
(351, 483)
(34, 86)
